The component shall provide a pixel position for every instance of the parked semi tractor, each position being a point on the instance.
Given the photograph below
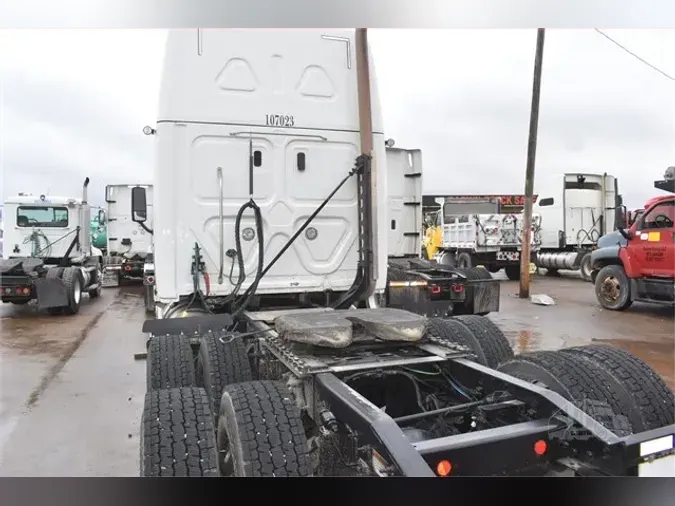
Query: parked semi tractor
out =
(271, 198)
(638, 263)
(473, 230)
(128, 241)
(576, 210)
(48, 254)
(415, 283)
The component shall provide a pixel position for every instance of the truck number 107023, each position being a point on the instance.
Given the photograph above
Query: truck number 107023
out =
(282, 120)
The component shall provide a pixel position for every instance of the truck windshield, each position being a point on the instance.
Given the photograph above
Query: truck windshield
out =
(42, 216)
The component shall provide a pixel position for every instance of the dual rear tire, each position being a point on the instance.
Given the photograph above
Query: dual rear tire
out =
(633, 392)
(204, 414)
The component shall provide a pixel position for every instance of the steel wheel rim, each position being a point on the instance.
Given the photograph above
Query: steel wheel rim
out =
(77, 291)
(611, 289)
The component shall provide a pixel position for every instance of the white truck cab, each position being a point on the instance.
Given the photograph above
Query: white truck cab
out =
(577, 209)
(269, 116)
(44, 226)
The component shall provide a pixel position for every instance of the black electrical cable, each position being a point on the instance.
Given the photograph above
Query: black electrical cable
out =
(261, 272)
(261, 253)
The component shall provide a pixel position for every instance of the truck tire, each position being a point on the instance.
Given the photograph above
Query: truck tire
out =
(260, 432)
(612, 288)
(170, 363)
(95, 293)
(453, 331)
(72, 279)
(585, 267)
(178, 438)
(221, 364)
(512, 272)
(496, 347)
(651, 399)
(446, 258)
(575, 378)
(464, 261)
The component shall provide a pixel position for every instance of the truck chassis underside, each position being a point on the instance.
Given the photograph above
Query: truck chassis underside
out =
(532, 429)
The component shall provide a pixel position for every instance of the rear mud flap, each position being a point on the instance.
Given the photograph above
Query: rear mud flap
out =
(51, 292)
(485, 295)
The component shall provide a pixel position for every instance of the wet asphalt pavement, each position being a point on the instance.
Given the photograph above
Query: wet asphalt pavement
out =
(72, 394)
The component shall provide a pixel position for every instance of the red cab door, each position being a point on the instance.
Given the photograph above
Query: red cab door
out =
(653, 245)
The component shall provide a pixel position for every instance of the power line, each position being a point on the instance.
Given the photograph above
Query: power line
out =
(634, 55)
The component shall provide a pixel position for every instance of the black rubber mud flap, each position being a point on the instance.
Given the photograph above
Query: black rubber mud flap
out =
(189, 325)
(51, 293)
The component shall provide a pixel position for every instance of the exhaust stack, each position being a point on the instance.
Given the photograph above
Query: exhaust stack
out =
(84, 190)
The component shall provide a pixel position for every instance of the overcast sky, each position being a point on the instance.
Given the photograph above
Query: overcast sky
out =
(75, 103)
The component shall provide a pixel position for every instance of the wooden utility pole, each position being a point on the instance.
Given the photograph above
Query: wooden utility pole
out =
(529, 172)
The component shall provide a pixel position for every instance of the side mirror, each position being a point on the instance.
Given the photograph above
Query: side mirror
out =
(546, 202)
(139, 206)
(621, 218)
(101, 216)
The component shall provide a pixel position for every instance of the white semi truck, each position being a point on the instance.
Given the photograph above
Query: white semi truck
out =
(271, 227)
(128, 241)
(48, 254)
(576, 209)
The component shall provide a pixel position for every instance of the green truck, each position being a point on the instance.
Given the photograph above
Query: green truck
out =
(98, 229)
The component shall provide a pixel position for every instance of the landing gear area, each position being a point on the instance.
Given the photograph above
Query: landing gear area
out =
(384, 392)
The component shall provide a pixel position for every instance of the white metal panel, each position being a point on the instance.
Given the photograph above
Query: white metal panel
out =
(584, 210)
(404, 180)
(45, 241)
(211, 105)
(242, 76)
(120, 226)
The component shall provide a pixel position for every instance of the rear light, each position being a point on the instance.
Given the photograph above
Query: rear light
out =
(149, 280)
(127, 268)
(18, 291)
(435, 289)
(457, 288)
(26, 291)
(8, 290)
(540, 447)
(444, 468)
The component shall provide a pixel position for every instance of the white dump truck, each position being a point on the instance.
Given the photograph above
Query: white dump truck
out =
(475, 231)
(128, 241)
(48, 254)
(576, 209)
(272, 225)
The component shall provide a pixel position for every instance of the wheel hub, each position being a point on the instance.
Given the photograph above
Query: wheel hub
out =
(611, 288)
